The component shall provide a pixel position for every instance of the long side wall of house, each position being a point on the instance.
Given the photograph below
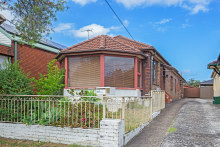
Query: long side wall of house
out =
(175, 91)
(32, 60)
(163, 81)
(216, 86)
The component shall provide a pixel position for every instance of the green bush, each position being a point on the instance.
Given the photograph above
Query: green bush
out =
(13, 80)
(52, 83)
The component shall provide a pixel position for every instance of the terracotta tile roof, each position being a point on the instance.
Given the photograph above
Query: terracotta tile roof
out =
(133, 43)
(102, 43)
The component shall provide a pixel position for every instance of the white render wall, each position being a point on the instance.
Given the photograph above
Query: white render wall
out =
(216, 86)
(118, 92)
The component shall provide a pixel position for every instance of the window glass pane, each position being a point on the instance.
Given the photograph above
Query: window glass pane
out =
(119, 72)
(84, 71)
(155, 71)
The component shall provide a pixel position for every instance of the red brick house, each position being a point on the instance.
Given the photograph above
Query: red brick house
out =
(32, 60)
(132, 68)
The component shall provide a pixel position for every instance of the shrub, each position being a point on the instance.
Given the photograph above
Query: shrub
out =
(85, 93)
(52, 83)
(13, 80)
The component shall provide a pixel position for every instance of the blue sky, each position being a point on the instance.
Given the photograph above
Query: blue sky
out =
(185, 32)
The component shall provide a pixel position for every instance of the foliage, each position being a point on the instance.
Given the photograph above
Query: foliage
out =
(172, 129)
(33, 18)
(193, 83)
(85, 93)
(13, 80)
(52, 83)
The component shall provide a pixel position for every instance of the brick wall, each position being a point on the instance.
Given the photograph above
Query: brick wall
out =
(34, 60)
(147, 74)
(5, 50)
(175, 94)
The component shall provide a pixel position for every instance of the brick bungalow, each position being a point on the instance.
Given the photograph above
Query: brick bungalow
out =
(32, 60)
(132, 68)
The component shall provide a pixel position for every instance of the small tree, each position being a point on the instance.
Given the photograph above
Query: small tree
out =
(193, 83)
(13, 80)
(33, 18)
(52, 83)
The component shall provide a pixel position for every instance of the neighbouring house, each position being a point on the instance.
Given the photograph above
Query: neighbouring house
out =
(215, 65)
(206, 89)
(119, 66)
(32, 60)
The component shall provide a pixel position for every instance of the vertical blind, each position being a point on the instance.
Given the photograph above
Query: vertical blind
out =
(84, 71)
(119, 72)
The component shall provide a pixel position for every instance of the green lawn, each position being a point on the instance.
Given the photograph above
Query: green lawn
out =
(26, 143)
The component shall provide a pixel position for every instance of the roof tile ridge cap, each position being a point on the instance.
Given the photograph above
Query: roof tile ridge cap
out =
(78, 44)
(134, 41)
(123, 43)
(102, 41)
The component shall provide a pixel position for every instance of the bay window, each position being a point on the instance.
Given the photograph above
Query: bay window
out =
(84, 71)
(119, 72)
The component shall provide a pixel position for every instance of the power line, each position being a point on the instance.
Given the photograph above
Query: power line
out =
(119, 19)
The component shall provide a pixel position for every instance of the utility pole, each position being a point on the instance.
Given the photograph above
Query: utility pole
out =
(88, 30)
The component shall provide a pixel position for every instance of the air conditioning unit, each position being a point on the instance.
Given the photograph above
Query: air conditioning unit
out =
(105, 90)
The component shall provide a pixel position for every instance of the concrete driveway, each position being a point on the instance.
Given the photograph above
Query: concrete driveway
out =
(195, 122)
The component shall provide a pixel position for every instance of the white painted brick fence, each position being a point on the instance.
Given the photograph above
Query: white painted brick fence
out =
(110, 134)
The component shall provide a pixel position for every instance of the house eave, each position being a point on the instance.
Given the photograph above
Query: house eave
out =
(61, 55)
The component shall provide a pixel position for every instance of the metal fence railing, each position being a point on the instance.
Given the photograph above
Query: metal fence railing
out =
(80, 112)
(50, 110)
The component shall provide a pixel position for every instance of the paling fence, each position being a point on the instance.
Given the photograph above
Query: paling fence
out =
(79, 112)
(158, 100)
(135, 111)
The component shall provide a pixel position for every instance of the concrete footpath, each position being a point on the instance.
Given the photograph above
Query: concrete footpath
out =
(197, 123)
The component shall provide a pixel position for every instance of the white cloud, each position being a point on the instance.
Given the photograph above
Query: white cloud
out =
(161, 26)
(194, 6)
(63, 26)
(126, 22)
(164, 21)
(185, 25)
(96, 30)
(83, 2)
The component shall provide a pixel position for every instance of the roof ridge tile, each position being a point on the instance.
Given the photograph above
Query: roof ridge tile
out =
(81, 43)
(137, 42)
